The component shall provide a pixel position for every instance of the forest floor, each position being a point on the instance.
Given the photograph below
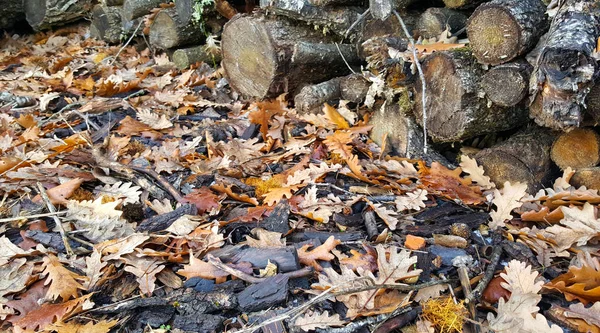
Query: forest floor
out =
(141, 198)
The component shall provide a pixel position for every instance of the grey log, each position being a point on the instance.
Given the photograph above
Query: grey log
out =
(168, 30)
(507, 84)
(44, 14)
(11, 13)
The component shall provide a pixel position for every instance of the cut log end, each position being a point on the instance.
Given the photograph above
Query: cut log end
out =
(579, 148)
(164, 31)
(589, 177)
(434, 21)
(461, 3)
(507, 85)
(494, 35)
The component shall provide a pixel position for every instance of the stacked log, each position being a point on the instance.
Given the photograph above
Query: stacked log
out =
(11, 13)
(45, 14)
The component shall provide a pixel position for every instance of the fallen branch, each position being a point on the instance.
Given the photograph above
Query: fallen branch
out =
(487, 276)
(306, 271)
(52, 210)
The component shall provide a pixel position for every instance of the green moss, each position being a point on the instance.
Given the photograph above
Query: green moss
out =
(406, 105)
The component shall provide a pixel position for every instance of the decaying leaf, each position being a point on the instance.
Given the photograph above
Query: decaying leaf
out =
(63, 282)
(314, 320)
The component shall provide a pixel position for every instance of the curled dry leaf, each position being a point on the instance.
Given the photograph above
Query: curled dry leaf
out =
(448, 183)
(63, 282)
(505, 202)
(579, 283)
(321, 252)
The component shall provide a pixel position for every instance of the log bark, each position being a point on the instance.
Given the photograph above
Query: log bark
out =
(592, 102)
(183, 58)
(462, 4)
(133, 9)
(396, 130)
(524, 157)
(565, 68)
(588, 177)
(106, 23)
(286, 258)
(334, 19)
(382, 9)
(185, 9)
(168, 30)
(113, 2)
(456, 107)
(44, 14)
(501, 30)
(321, 3)
(434, 21)
(579, 148)
(11, 13)
(351, 88)
(507, 84)
(265, 57)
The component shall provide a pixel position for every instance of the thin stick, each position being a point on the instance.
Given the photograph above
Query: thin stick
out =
(421, 76)
(162, 181)
(28, 217)
(360, 18)
(487, 277)
(344, 58)
(51, 208)
(128, 41)
(253, 279)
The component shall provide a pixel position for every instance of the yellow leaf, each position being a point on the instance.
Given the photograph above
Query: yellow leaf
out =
(335, 117)
(62, 281)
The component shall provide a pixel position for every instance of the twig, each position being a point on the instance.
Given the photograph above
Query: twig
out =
(162, 181)
(487, 277)
(51, 208)
(421, 76)
(127, 43)
(400, 287)
(17, 218)
(360, 18)
(253, 279)
(344, 58)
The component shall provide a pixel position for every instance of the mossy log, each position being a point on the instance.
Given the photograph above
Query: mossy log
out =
(133, 9)
(507, 84)
(434, 21)
(168, 30)
(579, 148)
(501, 30)
(462, 4)
(588, 177)
(106, 23)
(351, 88)
(44, 14)
(113, 2)
(524, 157)
(456, 107)
(183, 58)
(333, 19)
(11, 13)
(565, 68)
(265, 57)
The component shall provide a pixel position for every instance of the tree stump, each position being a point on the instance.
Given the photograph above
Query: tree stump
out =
(183, 58)
(168, 30)
(11, 13)
(507, 84)
(265, 57)
(44, 14)
(565, 68)
(106, 23)
(501, 30)
(524, 157)
(579, 148)
(456, 107)
(133, 9)
(435, 20)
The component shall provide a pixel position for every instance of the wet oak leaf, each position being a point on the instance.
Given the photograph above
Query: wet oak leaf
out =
(321, 252)
(62, 282)
(442, 181)
(505, 202)
(312, 321)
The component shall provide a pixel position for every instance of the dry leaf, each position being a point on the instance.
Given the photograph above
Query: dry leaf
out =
(62, 281)
(579, 283)
(102, 326)
(145, 269)
(205, 200)
(414, 200)
(334, 117)
(14, 277)
(577, 227)
(265, 239)
(321, 252)
(505, 202)
(476, 173)
(58, 195)
(154, 120)
(202, 269)
(387, 215)
(440, 180)
(314, 320)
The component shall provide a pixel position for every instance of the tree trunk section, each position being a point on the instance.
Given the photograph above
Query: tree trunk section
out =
(579, 148)
(185, 9)
(265, 57)
(592, 101)
(113, 2)
(507, 84)
(435, 20)
(502, 30)
(462, 4)
(106, 23)
(133, 9)
(382, 9)
(455, 105)
(322, 3)
(168, 30)
(44, 14)
(335, 19)
(11, 13)
(524, 157)
(183, 58)
(351, 88)
(588, 177)
(565, 68)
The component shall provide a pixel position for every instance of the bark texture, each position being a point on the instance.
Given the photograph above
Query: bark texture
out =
(435, 20)
(113, 2)
(351, 88)
(183, 58)
(265, 57)
(106, 23)
(507, 84)
(501, 30)
(565, 68)
(462, 4)
(588, 177)
(133, 9)
(44, 14)
(11, 13)
(382, 9)
(456, 107)
(168, 30)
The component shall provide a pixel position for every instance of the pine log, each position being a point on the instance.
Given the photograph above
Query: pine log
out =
(434, 21)
(106, 23)
(565, 68)
(351, 88)
(501, 30)
(462, 4)
(588, 177)
(44, 14)
(456, 107)
(334, 19)
(524, 157)
(579, 148)
(113, 2)
(11, 13)
(133, 9)
(168, 30)
(507, 84)
(265, 57)
(183, 58)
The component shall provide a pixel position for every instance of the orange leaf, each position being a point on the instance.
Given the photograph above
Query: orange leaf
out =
(264, 112)
(448, 183)
(229, 191)
(321, 252)
(26, 120)
(339, 143)
(414, 242)
(276, 194)
(130, 126)
(335, 117)
(38, 319)
(368, 260)
(544, 215)
(62, 281)
(202, 269)
(58, 195)
(578, 283)
(205, 200)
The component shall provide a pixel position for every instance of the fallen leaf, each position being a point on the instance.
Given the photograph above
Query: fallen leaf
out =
(102, 326)
(440, 180)
(475, 172)
(205, 200)
(202, 269)
(312, 321)
(334, 117)
(62, 281)
(145, 269)
(321, 252)
(265, 239)
(505, 202)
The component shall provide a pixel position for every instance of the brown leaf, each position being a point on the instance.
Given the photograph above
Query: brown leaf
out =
(205, 200)
(321, 252)
(28, 301)
(62, 281)
(145, 269)
(276, 194)
(48, 313)
(448, 183)
(264, 111)
(13, 277)
(265, 239)
(581, 283)
(229, 191)
(335, 117)
(102, 326)
(366, 261)
(314, 320)
(202, 269)
(58, 195)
